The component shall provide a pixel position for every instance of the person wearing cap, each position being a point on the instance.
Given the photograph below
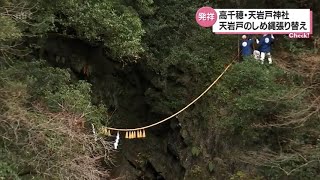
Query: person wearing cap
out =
(265, 47)
(246, 47)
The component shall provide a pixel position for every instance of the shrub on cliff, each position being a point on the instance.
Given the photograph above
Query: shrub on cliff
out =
(45, 127)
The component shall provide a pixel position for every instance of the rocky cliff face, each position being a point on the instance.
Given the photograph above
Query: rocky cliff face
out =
(168, 151)
(123, 89)
(186, 147)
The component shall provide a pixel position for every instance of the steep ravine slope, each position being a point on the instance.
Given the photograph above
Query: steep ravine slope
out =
(123, 89)
(190, 146)
(200, 143)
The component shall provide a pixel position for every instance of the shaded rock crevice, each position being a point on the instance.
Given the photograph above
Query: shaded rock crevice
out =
(123, 89)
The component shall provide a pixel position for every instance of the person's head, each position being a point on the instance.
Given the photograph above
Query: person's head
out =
(244, 37)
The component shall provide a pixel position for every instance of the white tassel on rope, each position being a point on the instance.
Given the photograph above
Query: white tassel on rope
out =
(94, 133)
(116, 143)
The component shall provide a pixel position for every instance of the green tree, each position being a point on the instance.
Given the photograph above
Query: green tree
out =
(45, 120)
(111, 22)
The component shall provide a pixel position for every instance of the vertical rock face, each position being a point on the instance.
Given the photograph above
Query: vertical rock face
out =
(123, 88)
(84, 59)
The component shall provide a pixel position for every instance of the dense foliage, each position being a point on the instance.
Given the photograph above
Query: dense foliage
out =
(258, 122)
(45, 116)
(43, 120)
(111, 22)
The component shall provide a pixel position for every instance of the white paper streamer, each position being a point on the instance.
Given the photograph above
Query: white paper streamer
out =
(116, 143)
(94, 133)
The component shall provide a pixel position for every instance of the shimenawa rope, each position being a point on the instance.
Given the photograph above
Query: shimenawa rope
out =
(132, 133)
